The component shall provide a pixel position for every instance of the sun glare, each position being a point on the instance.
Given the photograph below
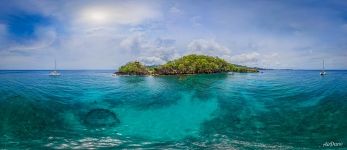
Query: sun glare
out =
(96, 16)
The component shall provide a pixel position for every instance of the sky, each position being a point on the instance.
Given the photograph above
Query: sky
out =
(292, 34)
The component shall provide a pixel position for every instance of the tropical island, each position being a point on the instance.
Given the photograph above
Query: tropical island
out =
(189, 64)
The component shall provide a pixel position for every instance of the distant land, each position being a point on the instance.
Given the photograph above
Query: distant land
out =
(189, 64)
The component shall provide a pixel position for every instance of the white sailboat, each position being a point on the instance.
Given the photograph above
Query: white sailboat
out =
(322, 73)
(54, 72)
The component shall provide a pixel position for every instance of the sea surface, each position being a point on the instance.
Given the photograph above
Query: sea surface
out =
(275, 109)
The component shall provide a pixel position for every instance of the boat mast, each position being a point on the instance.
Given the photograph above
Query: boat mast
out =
(55, 65)
(323, 66)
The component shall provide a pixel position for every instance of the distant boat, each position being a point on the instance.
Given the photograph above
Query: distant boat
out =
(54, 72)
(322, 73)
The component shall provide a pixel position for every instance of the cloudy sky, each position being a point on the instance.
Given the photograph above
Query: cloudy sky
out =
(296, 34)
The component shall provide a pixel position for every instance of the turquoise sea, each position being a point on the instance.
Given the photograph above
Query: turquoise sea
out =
(276, 109)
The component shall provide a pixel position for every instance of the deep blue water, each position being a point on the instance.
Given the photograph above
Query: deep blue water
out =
(277, 109)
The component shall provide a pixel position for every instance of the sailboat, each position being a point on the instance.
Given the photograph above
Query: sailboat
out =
(322, 73)
(54, 72)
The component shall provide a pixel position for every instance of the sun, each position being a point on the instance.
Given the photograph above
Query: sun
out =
(96, 16)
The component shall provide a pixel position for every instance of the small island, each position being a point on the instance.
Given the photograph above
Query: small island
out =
(190, 64)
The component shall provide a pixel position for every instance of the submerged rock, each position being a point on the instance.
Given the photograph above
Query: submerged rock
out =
(101, 118)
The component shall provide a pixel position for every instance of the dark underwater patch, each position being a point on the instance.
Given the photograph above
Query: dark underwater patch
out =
(101, 118)
(25, 118)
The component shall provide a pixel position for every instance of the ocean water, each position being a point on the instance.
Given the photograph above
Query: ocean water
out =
(276, 109)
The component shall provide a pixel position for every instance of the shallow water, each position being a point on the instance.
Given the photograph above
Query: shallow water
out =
(277, 109)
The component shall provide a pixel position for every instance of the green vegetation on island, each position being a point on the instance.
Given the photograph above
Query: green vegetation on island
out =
(190, 64)
(133, 68)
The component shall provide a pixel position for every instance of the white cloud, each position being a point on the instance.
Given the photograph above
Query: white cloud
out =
(175, 10)
(255, 59)
(134, 42)
(154, 52)
(213, 48)
(207, 47)
(150, 51)
(45, 37)
(252, 57)
(196, 21)
(91, 50)
(151, 60)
